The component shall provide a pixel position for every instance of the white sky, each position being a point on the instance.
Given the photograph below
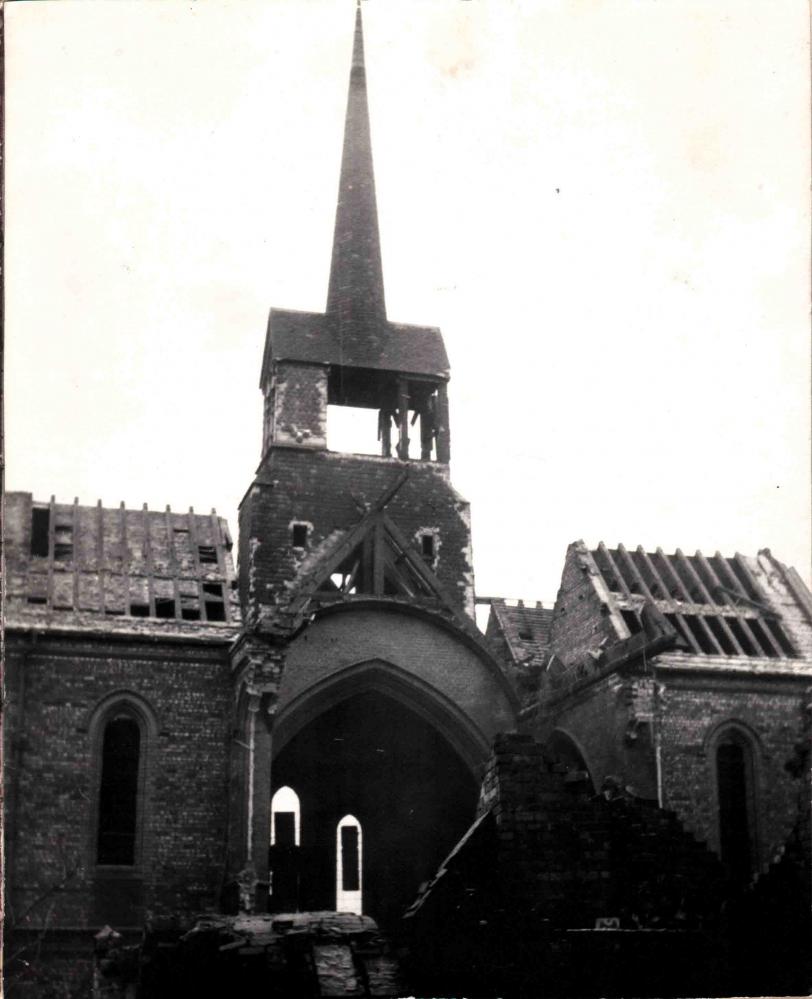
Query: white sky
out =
(602, 203)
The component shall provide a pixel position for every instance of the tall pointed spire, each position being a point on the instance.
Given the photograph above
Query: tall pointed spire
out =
(355, 291)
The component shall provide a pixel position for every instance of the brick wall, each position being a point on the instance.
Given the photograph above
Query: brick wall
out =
(571, 851)
(580, 620)
(513, 909)
(320, 488)
(53, 685)
(297, 410)
(693, 708)
(440, 664)
(606, 724)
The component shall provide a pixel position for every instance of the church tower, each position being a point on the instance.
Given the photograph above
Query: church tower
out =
(353, 355)
(364, 690)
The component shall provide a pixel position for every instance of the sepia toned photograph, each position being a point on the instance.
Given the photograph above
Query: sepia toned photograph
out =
(406, 513)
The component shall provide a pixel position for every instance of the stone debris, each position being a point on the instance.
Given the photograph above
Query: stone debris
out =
(296, 954)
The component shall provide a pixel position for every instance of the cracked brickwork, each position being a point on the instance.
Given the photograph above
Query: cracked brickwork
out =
(325, 489)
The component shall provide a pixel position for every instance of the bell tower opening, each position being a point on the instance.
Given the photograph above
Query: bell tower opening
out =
(372, 412)
(349, 379)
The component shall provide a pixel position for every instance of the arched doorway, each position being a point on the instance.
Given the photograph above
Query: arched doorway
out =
(373, 758)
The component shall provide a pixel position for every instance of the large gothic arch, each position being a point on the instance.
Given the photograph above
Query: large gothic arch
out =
(414, 656)
(385, 713)
(394, 682)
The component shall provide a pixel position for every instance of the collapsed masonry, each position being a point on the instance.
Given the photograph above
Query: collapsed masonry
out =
(286, 955)
(556, 888)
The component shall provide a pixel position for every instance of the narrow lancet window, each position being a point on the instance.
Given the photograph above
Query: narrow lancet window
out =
(734, 777)
(348, 866)
(118, 792)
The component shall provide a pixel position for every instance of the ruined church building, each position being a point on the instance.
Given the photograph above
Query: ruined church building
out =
(326, 729)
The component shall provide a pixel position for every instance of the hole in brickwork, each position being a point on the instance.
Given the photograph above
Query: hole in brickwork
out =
(164, 607)
(427, 547)
(40, 524)
(63, 543)
(632, 619)
(298, 533)
(190, 613)
(139, 610)
(215, 611)
(344, 581)
(207, 554)
(353, 430)
(37, 600)
(214, 589)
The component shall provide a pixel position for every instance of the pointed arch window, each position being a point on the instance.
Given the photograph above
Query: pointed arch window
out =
(736, 803)
(122, 730)
(349, 858)
(285, 818)
(118, 791)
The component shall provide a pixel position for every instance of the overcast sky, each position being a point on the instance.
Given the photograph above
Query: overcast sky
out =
(602, 203)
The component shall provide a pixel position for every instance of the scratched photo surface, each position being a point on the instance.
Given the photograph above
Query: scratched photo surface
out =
(407, 435)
